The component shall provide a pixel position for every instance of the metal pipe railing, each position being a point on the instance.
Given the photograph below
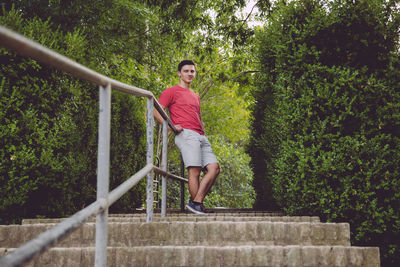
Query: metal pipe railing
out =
(150, 158)
(25, 46)
(182, 186)
(14, 41)
(169, 175)
(123, 188)
(43, 241)
(103, 172)
(164, 163)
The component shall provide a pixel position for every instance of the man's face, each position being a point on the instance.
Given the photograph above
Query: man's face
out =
(187, 73)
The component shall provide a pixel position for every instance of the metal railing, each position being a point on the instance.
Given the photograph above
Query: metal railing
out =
(27, 47)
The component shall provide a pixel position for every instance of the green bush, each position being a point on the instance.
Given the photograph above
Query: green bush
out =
(326, 122)
(48, 123)
(233, 188)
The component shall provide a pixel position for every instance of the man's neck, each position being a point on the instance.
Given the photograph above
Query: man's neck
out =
(184, 85)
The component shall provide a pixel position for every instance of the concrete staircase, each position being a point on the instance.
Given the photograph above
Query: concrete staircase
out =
(224, 238)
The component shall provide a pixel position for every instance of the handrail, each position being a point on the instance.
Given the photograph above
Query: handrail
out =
(169, 175)
(39, 244)
(25, 46)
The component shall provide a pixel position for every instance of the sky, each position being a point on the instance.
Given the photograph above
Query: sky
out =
(247, 10)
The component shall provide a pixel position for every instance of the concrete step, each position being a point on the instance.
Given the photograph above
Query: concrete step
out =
(213, 256)
(217, 233)
(196, 218)
(216, 212)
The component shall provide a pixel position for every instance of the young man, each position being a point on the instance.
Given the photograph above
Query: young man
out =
(184, 107)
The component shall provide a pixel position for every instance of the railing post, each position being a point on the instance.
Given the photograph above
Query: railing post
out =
(150, 155)
(103, 172)
(182, 186)
(164, 162)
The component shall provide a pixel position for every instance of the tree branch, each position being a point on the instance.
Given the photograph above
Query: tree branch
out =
(251, 11)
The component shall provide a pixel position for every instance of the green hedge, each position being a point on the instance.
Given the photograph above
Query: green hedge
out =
(326, 117)
(48, 131)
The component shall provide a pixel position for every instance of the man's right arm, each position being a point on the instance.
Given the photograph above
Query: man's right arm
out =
(160, 119)
(158, 116)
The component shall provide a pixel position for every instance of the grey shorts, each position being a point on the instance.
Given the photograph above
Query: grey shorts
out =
(195, 149)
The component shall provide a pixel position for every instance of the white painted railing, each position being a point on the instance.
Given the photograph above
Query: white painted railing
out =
(27, 47)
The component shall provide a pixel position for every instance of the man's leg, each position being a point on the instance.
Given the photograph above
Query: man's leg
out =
(193, 180)
(206, 183)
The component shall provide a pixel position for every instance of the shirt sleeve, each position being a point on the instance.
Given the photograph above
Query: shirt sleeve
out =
(166, 97)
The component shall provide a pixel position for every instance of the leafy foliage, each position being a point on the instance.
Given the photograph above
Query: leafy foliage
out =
(49, 131)
(224, 88)
(137, 42)
(232, 189)
(326, 134)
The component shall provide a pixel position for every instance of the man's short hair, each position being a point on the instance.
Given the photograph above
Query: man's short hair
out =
(185, 62)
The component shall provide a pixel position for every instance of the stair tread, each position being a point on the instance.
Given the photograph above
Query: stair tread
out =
(215, 256)
(197, 218)
(195, 233)
(224, 238)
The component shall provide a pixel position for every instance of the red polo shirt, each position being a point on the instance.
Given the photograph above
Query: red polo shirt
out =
(184, 107)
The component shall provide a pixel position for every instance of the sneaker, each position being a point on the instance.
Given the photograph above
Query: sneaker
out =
(195, 208)
(205, 210)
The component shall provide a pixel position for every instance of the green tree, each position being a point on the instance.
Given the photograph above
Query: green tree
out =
(233, 188)
(48, 126)
(223, 86)
(140, 43)
(325, 130)
(223, 83)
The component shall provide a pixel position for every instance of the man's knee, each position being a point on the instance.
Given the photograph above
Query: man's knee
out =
(213, 168)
